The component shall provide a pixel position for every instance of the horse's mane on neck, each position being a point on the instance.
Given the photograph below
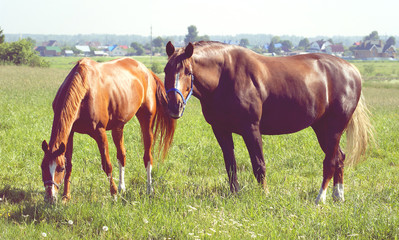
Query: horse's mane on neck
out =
(210, 48)
(202, 51)
(67, 102)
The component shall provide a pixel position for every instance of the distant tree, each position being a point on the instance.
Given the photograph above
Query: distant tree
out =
(1, 36)
(390, 41)
(272, 49)
(21, 53)
(303, 44)
(139, 49)
(192, 34)
(276, 39)
(203, 38)
(286, 45)
(372, 36)
(157, 42)
(244, 42)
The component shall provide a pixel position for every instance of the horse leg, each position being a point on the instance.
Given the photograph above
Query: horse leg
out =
(333, 162)
(146, 121)
(117, 136)
(102, 142)
(68, 168)
(338, 191)
(253, 140)
(225, 140)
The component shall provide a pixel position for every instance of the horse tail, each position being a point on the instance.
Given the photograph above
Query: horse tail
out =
(164, 125)
(359, 133)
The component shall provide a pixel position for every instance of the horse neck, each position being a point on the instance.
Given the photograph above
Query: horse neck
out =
(206, 77)
(59, 134)
(66, 105)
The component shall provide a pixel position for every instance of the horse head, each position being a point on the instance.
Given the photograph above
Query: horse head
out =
(179, 78)
(53, 170)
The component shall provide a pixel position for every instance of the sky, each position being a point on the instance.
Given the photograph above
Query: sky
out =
(307, 18)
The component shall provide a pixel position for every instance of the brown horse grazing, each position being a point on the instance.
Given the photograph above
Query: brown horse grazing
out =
(249, 94)
(96, 97)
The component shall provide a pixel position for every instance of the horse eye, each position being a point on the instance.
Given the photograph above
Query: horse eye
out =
(60, 169)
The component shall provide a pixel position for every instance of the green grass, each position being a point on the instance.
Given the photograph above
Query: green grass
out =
(191, 199)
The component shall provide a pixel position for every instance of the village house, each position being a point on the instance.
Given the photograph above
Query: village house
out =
(373, 49)
(49, 49)
(116, 50)
(84, 49)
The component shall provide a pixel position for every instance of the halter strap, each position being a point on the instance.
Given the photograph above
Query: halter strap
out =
(179, 92)
(51, 182)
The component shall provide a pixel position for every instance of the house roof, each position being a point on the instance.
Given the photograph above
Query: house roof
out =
(83, 48)
(111, 48)
(337, 48)
(57, 49)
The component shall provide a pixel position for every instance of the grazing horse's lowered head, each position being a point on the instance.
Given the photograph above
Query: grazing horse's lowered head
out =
(53, 170)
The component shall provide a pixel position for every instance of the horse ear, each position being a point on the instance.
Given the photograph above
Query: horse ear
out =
(170, 49)
(44, 146)
(60, 150)
(189, 50)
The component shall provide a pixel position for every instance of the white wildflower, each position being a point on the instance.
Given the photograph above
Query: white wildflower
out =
(44, 234)
(191, 207)
(70, 222)
(105, 228)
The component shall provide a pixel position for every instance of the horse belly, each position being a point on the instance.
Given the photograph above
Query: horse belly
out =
(286, 119)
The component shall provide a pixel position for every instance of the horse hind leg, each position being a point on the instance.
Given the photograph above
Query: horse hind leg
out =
(117, 136)
(333, 162)
(338, 190)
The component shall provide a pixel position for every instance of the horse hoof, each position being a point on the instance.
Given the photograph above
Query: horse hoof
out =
(66, 199)
(121, 189)
(150, 190)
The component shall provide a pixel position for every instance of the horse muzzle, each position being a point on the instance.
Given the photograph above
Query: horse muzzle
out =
(51, 190)
(176, 110)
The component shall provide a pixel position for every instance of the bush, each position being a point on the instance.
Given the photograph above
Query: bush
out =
(21, 53)
(369, 69)
(156, 68)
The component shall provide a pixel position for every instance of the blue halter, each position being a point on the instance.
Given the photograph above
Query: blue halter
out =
(179, 92)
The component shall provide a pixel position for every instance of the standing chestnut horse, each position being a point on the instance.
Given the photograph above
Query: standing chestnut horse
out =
(249, 94)
(96, 97)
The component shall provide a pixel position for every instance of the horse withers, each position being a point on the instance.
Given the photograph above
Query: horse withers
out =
(96, 97)
(252, 95)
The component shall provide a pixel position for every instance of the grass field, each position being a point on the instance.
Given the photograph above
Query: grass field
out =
(191, 198)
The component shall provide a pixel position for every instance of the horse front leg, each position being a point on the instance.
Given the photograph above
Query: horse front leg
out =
(68, 168)
(225, 140)
(117, 136)
(146, 120)
(102, 142)
(253, 140)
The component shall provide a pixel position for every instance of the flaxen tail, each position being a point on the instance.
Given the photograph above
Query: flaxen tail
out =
(360, 133)
(164, 125)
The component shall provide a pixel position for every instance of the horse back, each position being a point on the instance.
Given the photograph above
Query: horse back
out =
(300, 90)
(117, 90)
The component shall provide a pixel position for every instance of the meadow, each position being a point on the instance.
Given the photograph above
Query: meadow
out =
(192, 198)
